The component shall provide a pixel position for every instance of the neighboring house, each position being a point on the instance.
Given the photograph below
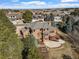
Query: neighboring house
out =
(38, 18)
(15, 18)
(58, 21)
(67, 12)
(49, 19)
(37, 28)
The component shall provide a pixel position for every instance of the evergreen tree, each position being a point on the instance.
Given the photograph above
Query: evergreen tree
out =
(68, 23)
(10, 45)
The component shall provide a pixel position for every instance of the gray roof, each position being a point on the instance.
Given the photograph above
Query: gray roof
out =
(28, 24)
(49, 18)
(38, 17)
(38, 25)
(15, 14)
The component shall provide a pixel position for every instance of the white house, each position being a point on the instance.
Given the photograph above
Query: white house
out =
(57, 19)
(15, 18)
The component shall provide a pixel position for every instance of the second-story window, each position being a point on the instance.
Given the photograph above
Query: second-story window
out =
(25, 27)
(11, 16)
(47, 29)
(44, 29)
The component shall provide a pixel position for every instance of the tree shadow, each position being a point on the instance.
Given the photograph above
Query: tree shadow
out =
(66, 56)
(25, 53)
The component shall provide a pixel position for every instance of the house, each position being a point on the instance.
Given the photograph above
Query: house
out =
(43, 33)
(67, 12)
(15, 18)
(58, 21)
(49, 19)
(36, 28)
(38, 18)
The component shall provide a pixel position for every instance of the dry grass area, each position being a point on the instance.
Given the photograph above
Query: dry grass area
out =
(58, 52)
(65, 49)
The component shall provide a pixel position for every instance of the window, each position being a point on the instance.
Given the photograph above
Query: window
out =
(51, 31)
(11, 16)
(44, 29)
(47, 29)
(25, 27)
(34, 30)
(40, 29)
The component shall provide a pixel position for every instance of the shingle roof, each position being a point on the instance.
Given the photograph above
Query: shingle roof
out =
(38, 25)
(28, 25)
(49, 18)
(38, 17)
(15, 14)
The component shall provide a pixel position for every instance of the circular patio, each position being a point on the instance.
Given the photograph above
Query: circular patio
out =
(54, 44)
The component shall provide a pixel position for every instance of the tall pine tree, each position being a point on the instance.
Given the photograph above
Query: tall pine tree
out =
(10, 45)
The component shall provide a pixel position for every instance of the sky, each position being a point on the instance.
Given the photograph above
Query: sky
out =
(38, 4)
